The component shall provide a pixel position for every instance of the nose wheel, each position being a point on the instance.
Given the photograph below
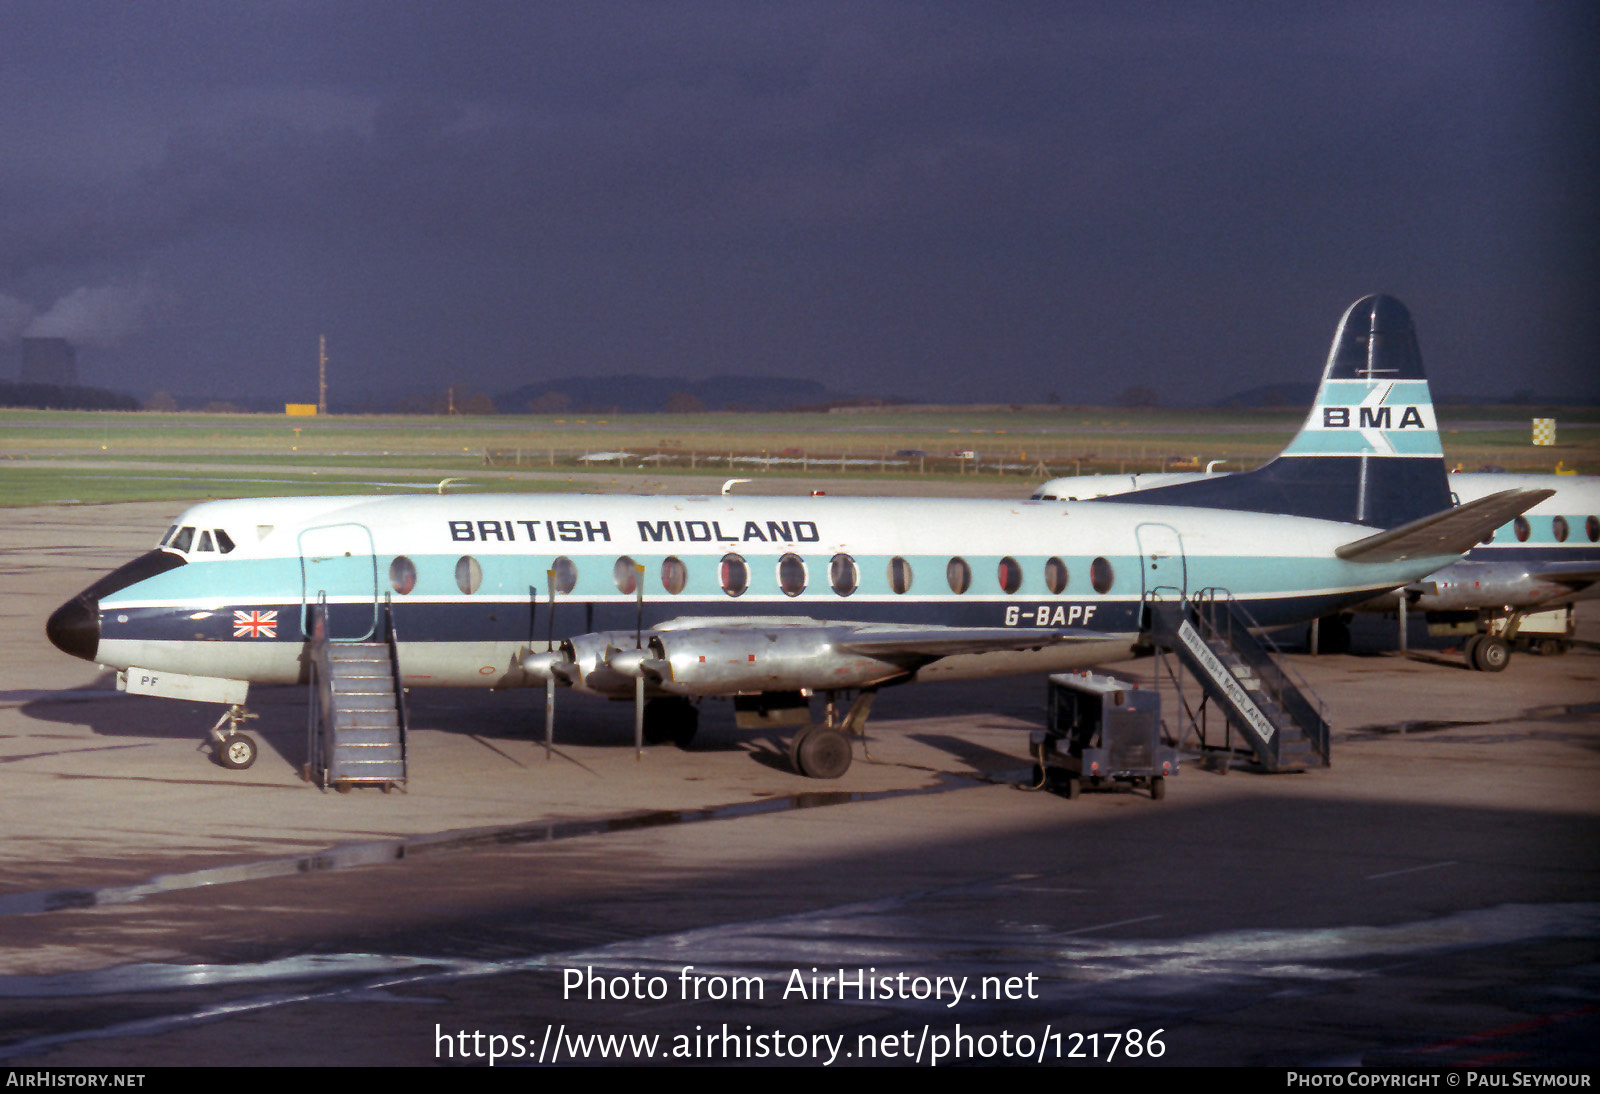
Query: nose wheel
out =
(231, 748)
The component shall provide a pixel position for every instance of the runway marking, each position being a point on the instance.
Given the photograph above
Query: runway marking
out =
(1411, 870)
(1108, 926)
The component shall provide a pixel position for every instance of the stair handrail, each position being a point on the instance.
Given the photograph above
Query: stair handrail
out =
(321, 678)
(392, 638)
(1225, 616)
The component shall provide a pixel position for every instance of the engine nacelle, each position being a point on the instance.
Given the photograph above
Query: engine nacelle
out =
(747, 660)
(1466, 586)
(589, 656)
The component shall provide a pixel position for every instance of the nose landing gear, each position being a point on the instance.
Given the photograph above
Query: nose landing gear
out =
(230, 747)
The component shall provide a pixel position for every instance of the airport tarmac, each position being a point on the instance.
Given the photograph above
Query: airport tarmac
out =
(1433, 897)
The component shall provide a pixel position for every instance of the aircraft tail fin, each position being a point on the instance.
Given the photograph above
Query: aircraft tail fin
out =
(1368, 452)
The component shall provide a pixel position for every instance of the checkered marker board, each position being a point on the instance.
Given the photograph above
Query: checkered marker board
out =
(1544, 431)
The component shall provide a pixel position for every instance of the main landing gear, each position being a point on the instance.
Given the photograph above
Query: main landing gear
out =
(1330, 634)
(671, 720)
(823, 750)
(1487, 653)
(231, 748)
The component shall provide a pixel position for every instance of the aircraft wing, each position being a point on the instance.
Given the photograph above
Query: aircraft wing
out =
(1577, 575)
(895, 644)
(1450, 532)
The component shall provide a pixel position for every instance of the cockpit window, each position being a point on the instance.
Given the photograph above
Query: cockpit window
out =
(183, 539)
(205, 543)
(167, 538)
(224, 544)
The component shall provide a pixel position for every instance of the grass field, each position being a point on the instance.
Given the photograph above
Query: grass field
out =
(154, 456)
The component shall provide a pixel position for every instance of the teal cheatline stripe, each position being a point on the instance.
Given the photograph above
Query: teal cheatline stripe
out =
(1352, 392)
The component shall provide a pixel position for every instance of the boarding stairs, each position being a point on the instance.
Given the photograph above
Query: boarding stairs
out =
(1281, 721)
(356, 729)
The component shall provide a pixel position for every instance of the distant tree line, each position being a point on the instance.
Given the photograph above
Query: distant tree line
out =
(63, 397)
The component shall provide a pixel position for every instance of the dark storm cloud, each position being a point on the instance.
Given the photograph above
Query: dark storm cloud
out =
(990, 201)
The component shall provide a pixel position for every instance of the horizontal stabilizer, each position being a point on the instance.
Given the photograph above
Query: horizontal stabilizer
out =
(1450, 532)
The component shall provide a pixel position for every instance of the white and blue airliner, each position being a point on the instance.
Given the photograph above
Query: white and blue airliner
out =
(770, 600)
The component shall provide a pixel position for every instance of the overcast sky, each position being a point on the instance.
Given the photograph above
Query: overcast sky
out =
(940, 201)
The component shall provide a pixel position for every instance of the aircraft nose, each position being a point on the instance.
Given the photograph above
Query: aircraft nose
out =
(75, 627)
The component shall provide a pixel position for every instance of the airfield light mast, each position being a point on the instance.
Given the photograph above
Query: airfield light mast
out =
(322, 375)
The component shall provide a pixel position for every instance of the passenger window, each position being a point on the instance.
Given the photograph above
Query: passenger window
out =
(185, 538)
(1055, 575)
(1591, 528)
(1521, 527)
(224, 544)
(1559, 527)
(959, 574)
(624, 575)
(674, 575)
(791, 575)
(899, 574)
(843, 575)
(1101, 575)
(205, 543)
(403, 575)
(566, 572)
(735, 575)
(469, 574)
(1010, 575)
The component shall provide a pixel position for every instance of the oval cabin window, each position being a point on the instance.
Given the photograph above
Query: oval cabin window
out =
(842, 574)
(1055, 575)
(403, 575)
(899, 574)
(566, 574)
(791, 575)
(1101, 575)
(625, 576)
(674, 574)
(1010, 575)
(735, 575)
(959, 575)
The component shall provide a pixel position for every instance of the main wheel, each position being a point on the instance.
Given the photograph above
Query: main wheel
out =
(820, 752)
(674, 720)
(1333, 635)
(236, 751)
(1491, 654)
(1469, 650)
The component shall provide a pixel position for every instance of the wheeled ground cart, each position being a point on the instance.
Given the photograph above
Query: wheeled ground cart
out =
(1102, 732)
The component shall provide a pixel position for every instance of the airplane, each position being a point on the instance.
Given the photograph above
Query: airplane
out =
(1515, 587)
(770, 601)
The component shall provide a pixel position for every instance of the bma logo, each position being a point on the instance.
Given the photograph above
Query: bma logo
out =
(1372, 417)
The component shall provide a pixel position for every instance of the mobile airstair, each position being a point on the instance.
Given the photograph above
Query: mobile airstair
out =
(356, 728)
(1239, 670)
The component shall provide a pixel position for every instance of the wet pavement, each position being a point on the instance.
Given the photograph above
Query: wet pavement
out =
(1433, 897)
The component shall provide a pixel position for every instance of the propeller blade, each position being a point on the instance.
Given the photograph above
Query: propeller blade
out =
(638, 718)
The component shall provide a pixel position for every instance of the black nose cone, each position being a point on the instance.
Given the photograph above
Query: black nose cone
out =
(75, 627)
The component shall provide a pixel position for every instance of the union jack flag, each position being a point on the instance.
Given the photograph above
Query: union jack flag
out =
(255, 624)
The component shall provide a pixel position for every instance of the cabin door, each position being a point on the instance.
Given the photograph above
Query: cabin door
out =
(1164, 569)
(338, 565)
